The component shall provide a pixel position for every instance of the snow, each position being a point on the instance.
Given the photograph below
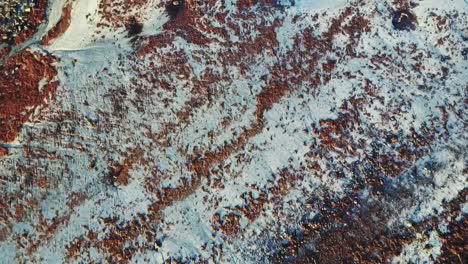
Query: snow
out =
(319, 5)
(89, 90)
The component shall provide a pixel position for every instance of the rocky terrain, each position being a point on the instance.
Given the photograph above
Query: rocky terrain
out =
(233, 131)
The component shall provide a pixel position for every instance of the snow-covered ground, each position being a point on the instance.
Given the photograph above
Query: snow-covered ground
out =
(190, 116)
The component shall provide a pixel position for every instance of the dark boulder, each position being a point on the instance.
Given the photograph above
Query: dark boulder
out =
(404, 20)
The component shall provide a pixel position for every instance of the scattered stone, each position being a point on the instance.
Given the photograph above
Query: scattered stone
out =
(20, 19)
(173, 8)
(134, 27)
(404, 20)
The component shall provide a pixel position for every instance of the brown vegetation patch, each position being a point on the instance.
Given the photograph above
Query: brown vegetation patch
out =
(21, 78)
(119, 13)
(228, 224)
(3, 151)
(61, 26)
(455, 248)
(118, 172)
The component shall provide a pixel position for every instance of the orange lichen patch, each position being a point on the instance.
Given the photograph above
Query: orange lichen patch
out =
(443, 112)
(34, 19)
(155, 42)
(26, 79)
(167, 196)
(229, 225)
(41, 181)
(19, 212)
(270, 96)
(76, 247)
(252, 207)
(119, 172)
(46, 230)
(76, 199)
(118, 244)
(187, 23)
(334, 134)
(358, 25)
(61, 26)
(39, 153)
(116, 250)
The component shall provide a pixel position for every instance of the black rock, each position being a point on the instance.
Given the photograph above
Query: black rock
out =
(173, 8)
(404, 20)
(134, 28)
